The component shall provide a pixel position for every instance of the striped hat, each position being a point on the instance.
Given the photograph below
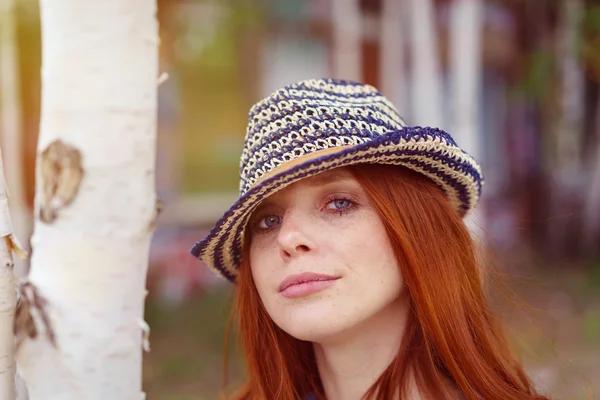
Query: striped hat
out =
(316, 125)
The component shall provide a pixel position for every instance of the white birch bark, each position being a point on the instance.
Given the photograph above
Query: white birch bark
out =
(8, 298)
(8, 301)
(426, 91)
(11, 135)
(466, 76)
(95, 201)
(393, 80)
(347, 37)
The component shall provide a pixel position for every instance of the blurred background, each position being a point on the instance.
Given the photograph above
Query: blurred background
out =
(516, 82)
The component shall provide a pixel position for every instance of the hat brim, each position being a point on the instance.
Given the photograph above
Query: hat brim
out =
(429, 151)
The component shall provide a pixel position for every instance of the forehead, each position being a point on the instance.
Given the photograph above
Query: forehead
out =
(324, 178)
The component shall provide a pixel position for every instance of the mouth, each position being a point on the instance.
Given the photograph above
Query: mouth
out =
(305, 284)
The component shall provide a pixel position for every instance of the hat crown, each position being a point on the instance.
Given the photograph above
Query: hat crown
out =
(309, 116)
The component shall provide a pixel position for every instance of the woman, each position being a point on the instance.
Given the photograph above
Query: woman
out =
(356, 277)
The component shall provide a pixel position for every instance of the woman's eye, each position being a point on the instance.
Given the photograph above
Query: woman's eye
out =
(269, 222)
(339, 204)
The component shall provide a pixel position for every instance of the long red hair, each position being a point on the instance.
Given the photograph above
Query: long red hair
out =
(451, 334)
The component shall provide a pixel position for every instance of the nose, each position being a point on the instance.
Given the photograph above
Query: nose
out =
(293, 236)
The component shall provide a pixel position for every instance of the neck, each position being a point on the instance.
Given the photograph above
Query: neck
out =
(351, 362)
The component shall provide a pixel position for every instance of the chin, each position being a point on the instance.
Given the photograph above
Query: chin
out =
(316, 333)
(313, 324)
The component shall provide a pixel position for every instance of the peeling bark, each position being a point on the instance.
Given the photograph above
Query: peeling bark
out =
(159, 206)
(61, 175)
(25, 325)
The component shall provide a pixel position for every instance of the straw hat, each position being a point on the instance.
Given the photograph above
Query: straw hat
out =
(316, 125)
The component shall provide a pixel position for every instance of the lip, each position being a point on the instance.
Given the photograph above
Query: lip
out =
(305, 284)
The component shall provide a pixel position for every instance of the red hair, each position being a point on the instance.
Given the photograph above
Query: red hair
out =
(451, 334)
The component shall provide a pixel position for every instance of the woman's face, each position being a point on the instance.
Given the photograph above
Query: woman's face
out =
(321, 259)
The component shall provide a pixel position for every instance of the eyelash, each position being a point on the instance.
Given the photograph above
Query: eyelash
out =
(257, 229)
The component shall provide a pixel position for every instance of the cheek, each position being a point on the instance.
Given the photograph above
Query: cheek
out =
(262, 267)
(367, 240)
(372, 257)
(386, 263)
(261, 264)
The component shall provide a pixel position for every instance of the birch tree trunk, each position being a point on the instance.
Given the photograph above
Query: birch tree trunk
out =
(8, 299)
(347, 38)
(80, 320)
(393, 80)
(11, 134)
(466, 76)
(426, 91)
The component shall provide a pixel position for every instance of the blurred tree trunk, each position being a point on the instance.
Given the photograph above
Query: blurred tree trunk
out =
(591, 129)
(393, 77)
(568, 180)
(466, 76)
(347, 38)
(466, 73)
(11, 132)
(79, 321)
(426, 90)
(10, 135)
(8, 300)
(569, 138)
(591, 212)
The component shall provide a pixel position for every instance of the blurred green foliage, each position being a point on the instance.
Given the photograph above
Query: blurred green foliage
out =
(591, 19)
(539, 73)
(186, 359)
(591, 323)
(212, 99)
